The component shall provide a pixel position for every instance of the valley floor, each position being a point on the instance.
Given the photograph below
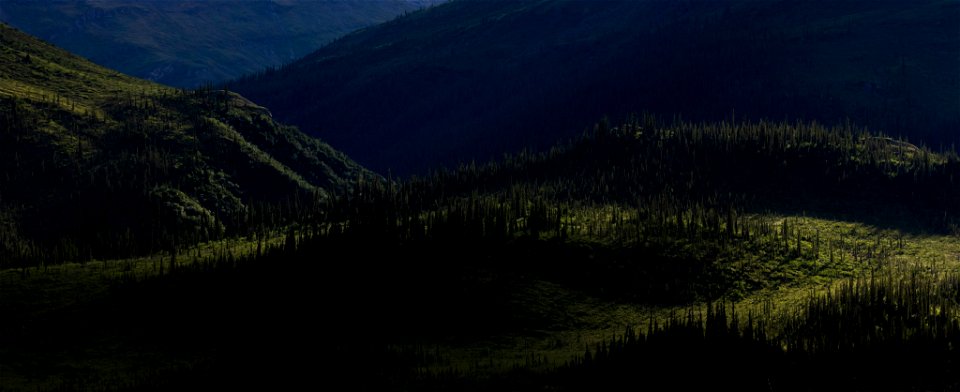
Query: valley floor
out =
(52, 338)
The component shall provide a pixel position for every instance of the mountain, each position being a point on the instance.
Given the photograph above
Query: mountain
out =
(95, 163)
(473, 79)
(187, 43)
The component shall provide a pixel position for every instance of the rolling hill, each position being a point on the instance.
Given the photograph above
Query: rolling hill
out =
(186, 43)
(95, 163)
(155, 238)
(473, 79)
(756, 256)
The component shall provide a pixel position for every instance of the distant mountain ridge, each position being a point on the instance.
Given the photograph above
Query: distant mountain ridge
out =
(94, 163)
(187, 43)
(473, 79)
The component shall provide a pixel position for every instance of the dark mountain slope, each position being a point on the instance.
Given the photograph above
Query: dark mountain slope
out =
(96, 163)
(186, 43)
(469, 79)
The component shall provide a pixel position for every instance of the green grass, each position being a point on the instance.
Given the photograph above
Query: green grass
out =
(34, 70)
(28, 295)
(570, 319)
(780, 285)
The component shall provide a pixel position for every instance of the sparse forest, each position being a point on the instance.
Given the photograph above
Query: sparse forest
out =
(612, 216)
(154, 238)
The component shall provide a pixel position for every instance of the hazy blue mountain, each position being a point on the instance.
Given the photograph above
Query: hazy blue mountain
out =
(472, 79)
(188, 42)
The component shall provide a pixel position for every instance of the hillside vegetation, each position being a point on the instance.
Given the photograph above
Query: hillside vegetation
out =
(617, 255)
(475, 79)
(188, 43)
(153, 238)
(94, 163)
